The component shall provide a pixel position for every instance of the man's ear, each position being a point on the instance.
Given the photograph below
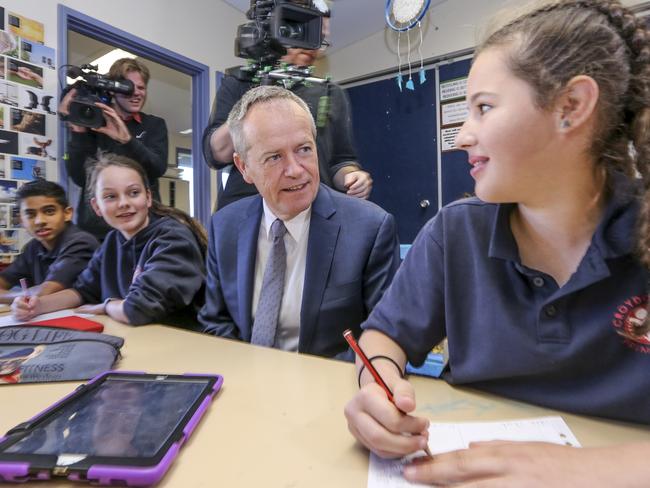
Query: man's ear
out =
(67, 214)
(242, 167)
(577, 104)
(93, 204)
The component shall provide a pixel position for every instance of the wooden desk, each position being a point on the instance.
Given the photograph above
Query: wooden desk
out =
(278, 421)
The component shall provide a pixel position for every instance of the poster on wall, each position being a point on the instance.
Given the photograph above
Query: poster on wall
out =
(26, 121)
(453, 111)
(8, 142)
(26, 168)
(24, 73)
(8, 94)
(8, 44)
(25, 27)
(35, 53)
(9, 241)
(37, 146)
(5, 216)
(33, 99)
(8, 191)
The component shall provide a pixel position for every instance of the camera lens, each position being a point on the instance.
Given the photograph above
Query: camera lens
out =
(292, 31)
(87, 113)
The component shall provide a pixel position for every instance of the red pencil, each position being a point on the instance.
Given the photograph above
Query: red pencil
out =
(375, 374)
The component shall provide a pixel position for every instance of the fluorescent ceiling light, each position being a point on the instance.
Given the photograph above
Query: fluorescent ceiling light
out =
(104, 62)
(185, 132)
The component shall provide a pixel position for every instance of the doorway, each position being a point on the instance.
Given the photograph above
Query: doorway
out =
(72, 24)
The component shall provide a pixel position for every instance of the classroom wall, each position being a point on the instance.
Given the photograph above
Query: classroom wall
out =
(452, 26)
(203, 30)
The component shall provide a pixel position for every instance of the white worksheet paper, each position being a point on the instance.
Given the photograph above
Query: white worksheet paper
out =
(444, 437)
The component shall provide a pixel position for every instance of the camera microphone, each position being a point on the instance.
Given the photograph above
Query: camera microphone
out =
(118, 86)
(75, 72)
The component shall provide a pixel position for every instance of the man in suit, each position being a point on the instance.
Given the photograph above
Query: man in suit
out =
(332, 259)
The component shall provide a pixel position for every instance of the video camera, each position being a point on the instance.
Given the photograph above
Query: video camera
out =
(276, 25)
(93, 88)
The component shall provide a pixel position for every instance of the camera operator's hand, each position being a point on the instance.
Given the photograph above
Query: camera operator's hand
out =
(115, 127)
(353, 181)
(64, 108)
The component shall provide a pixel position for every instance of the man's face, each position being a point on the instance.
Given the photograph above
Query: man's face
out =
(44, 219)
(132, 104)
(281, 160)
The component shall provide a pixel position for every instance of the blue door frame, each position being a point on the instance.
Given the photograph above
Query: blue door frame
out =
(69, 19)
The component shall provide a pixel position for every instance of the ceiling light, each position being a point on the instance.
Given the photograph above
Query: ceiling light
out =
(185, 132)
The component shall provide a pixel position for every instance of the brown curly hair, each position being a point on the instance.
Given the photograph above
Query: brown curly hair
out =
(561, 39)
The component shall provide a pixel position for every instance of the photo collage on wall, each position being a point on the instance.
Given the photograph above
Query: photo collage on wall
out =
(28, 119)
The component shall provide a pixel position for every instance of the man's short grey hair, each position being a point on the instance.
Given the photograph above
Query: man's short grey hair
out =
(255, 96)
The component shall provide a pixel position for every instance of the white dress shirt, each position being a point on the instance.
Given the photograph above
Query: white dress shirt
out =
(295, 242)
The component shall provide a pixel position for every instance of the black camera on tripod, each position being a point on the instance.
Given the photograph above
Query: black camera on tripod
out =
(93, 88)
(277, 25)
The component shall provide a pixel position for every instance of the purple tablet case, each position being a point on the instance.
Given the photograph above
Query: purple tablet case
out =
(107, 474)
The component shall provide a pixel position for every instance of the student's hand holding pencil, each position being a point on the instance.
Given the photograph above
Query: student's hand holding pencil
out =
(25, 307)
(388, 429)
(379, 415)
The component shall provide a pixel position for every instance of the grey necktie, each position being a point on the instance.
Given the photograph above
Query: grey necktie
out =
(268, 307)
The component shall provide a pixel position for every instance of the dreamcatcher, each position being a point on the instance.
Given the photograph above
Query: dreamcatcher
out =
(402, 16)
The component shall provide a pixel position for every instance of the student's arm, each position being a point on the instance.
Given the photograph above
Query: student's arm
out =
(406, 323)
(536, 465)
(112, 308)
(73, 257)
(45, 288)
(172, 274)
(26, 308)
(372, 418)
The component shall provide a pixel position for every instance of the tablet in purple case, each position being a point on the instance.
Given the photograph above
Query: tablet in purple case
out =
(121, 428)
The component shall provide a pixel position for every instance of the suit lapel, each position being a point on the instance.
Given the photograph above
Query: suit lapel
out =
(246, 256)
(323, 236)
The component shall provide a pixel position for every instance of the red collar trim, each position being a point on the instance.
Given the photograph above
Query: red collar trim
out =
(137, 117)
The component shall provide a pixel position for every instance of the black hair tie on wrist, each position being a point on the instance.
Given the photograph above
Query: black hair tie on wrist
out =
(379, 356)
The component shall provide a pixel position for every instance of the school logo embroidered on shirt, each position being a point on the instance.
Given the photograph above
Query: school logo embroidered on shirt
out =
(629, 316)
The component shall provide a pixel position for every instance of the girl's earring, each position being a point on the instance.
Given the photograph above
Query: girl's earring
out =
(565, 124)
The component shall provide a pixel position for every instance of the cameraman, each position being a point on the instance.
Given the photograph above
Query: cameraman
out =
(128, 132)
(339, 168)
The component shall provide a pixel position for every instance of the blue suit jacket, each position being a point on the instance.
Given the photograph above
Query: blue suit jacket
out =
(352, 255)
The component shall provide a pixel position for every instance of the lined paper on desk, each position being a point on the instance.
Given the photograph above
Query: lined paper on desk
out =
(444, 437)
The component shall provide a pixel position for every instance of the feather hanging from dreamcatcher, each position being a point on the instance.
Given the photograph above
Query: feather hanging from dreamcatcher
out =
(403, 16)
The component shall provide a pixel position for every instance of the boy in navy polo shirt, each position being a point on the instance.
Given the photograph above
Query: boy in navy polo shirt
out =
(59, 250)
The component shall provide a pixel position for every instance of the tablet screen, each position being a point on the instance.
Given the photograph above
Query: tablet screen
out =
(128, 418)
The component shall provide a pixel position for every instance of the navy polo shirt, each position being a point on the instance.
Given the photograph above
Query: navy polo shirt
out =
(62, 264)
(511, 330)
